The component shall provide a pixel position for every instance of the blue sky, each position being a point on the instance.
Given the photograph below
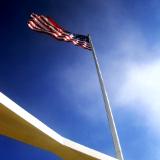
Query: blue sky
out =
(57, 82)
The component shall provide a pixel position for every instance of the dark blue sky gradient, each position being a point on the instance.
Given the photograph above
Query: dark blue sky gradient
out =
(32, 67)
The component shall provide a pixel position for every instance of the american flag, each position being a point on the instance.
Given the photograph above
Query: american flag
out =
(47, 25)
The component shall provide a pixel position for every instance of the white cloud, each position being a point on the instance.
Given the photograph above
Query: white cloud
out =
(141, 90)
(135, 77)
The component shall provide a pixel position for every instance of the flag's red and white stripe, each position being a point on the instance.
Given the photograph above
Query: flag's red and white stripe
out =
(47, 25)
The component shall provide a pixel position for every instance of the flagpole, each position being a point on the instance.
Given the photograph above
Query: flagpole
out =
(112, 125)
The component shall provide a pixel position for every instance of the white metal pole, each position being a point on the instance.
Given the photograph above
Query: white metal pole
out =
(112, 125)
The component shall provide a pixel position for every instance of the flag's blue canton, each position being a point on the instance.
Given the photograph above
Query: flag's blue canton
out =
(81, 37)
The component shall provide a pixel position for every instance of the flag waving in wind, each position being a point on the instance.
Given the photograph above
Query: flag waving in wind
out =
(47, 25)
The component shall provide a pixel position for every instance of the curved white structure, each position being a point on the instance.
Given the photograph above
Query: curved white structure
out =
(17, 123)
